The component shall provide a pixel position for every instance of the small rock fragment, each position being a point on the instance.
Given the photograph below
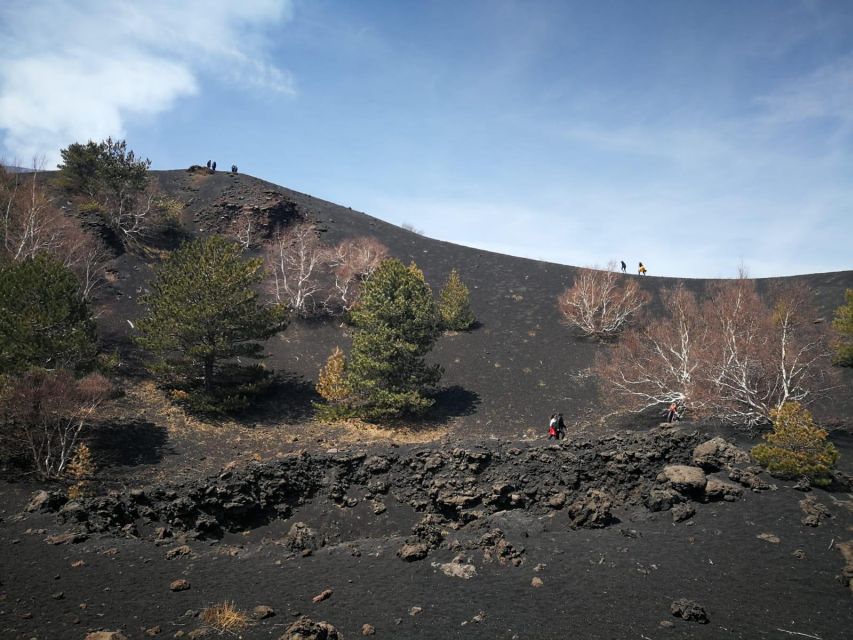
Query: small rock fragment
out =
(368, 630)
(324, 595)
(262, 611)
(536, 582)
(179, 585)
(769, 537)
(689, 610)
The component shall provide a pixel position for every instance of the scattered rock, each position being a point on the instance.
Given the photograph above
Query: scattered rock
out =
(106, 635)
(592, 512)
(458, 568)
(414, 611)
(69, 537)
(803, 484)
(307, 629)
(682, 512)
(153, 631)
(262, 612)
(323, 595)
(183, 550)
(815, 512)
(685, 479)
(717, 489)
(717, 453)
(769, 537)
(44, 500)
(413, 552)
(799, 554)
(536, 582)
(300, 537)
(662, 499)
(689, 610)
(666, 624)
(179, 585)
(368, 630)
(495, 546)
(557, 501)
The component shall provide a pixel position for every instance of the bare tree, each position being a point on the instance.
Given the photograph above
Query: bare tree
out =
(47, 410)
(763, 356)
(598, 305)
(31, 224)
(296, 259)
(244, 229)
(352, 262)
(658, 363)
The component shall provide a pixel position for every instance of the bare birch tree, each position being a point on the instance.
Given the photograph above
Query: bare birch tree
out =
(352, 262)
(31, 225)
(597, 304)
(296, 260)
(47, 410)
(658, 363)
(764, 356)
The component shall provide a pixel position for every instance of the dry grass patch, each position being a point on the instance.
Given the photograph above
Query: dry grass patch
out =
(358, 431)
(224, 616)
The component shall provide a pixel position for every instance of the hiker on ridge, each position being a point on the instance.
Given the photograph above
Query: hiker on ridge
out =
(640, 270)
(624, 266)
(233, 168)
(214, 165)
(672, 412)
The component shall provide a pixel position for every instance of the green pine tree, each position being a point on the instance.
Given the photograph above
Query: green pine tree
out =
(454, 304)
(203, 315)
(843, 326)
(44, 322)
(396, 325)
(796, 447)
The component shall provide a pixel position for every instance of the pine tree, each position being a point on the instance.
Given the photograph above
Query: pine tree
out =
(43, 320)
(843, 326)
(396, 325)
(203, 314)
(796, 447)
(454, 304)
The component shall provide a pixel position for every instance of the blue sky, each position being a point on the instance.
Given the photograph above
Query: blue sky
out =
(694, 136)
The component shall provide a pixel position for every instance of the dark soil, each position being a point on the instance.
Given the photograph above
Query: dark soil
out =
(467, 525)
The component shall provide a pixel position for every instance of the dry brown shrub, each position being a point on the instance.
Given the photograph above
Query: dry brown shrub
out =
(224, 616)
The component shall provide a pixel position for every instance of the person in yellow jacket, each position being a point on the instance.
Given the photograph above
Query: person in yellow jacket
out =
(641, 269)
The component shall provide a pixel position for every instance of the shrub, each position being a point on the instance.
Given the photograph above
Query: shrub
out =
(44, 412)
(80, 469)
(796, 447)
(224, 616)
(332, 386)
(454, 304)
(843, 327)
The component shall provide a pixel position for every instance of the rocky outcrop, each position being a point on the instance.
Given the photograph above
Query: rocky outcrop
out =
(307, 629)
(717, 453)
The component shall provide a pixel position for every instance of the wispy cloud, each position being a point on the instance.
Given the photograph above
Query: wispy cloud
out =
(75, 71)
(824, 93)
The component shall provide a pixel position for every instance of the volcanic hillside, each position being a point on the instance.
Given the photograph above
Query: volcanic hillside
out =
(517, 366)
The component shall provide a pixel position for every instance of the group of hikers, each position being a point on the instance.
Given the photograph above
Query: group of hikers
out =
(641, 270)
(212, 166)
(557, 427)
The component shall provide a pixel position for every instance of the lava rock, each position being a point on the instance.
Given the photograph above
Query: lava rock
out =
(685, 479)
(413, 552)
(689, 610)
(307, 629)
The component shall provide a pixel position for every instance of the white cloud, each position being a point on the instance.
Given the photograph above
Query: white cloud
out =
(825, 93)
(78, 71)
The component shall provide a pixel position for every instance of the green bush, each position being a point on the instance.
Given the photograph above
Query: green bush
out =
(396, 324)
(843, 326)
(454, 304)
(796, 447)
(43, 320)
